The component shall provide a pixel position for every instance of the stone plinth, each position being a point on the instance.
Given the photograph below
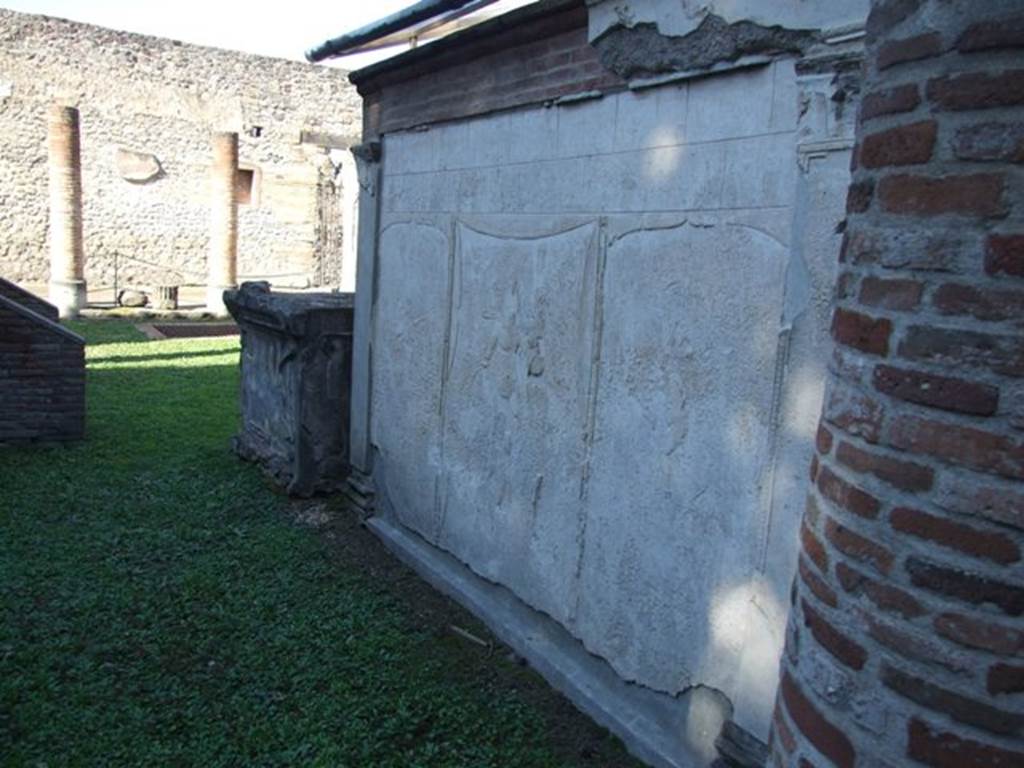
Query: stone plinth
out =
(296, 365)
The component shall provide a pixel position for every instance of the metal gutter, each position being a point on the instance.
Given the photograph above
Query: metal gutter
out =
(423, 11)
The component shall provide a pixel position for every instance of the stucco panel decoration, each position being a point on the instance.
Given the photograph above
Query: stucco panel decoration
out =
(410, 325)
(682, 452)
(516, 408)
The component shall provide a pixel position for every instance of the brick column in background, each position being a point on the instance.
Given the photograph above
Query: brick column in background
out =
(67, 260)
(223, 258)
(906, 639)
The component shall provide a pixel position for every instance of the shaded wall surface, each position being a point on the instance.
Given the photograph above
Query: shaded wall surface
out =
(42, 372)
(148, 106)
(599, 338)
(906, 633)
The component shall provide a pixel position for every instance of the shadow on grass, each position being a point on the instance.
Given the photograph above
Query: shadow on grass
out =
(160, 609)
(111, 331)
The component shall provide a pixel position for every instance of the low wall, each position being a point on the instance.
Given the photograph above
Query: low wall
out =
(42, 376)
(28, 300)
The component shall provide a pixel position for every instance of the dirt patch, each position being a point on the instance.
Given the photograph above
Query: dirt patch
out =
(476, 656)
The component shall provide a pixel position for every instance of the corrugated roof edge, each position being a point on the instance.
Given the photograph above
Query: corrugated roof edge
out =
(362, 78)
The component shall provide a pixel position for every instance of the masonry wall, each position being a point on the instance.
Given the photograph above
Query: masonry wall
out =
(163, 98)
(905, 637)
(27, 299)
(599, 336)
(42, 377)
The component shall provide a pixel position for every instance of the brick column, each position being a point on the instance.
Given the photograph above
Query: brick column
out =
(905, 643)
(67, 261)
(223, 258)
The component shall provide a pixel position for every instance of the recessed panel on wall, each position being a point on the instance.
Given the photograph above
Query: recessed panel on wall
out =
(410, 324)
(682, 450)
(515, 408)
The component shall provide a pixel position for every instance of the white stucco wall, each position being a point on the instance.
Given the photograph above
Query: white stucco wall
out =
(598, 340)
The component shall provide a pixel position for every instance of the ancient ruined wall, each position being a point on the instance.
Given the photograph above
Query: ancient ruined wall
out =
(905, 636)
(599, 345)
(158, 97)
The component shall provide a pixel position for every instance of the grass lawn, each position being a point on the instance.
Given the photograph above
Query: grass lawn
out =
(160, 605)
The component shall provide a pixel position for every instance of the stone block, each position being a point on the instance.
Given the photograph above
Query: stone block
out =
(296, 365)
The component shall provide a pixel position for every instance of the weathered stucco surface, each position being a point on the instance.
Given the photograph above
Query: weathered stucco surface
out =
(596, 343)
(148, 107)
(682, 17)
(296, 366)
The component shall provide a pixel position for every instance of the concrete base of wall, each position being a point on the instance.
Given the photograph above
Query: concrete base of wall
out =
(68, 296)
(662, 730)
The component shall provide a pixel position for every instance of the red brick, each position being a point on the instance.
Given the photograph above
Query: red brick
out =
(854, 412)
(858, 547)
(909, 49)
(885, 596)
(902, 98)
(953, 535)
(945, 392)
(982, 303)
(977, 90)
(913, 646)
(928, 745)
(988, 35)
(972, 632)
(863, 332)
(990, 141)
(929, 250)
(900, 295)
(785, 735)
(816, 584)
(825, 736)
(965, 585)
(823, 440)
(1004, 255)
(903, 145)
(979, 194)
(1005, 678)
(813, 548)
(961, 708)
(989, 502)
(847, 495)
(1002, 353)
(966, 446)
(814, 469)
(842, 648)
(905, 475)
(858, 196)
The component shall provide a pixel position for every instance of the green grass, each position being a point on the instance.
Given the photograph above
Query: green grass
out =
(158, 607)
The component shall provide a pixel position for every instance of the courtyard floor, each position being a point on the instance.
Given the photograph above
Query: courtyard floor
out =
(160, 604)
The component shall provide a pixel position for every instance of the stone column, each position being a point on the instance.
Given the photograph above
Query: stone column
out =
(67, 261)
(223, 257)
(905, 638)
